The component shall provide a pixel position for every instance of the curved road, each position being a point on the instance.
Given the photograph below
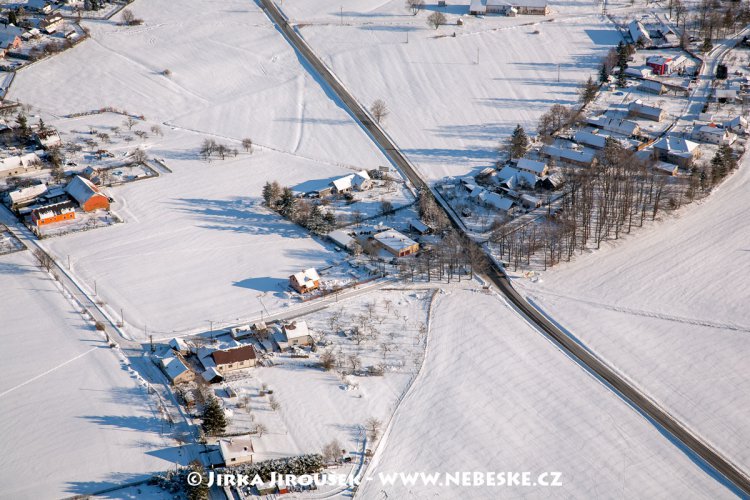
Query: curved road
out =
(724, 466)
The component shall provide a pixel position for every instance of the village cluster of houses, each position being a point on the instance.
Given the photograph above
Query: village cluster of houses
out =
(45, 22)
(214, 364)
(651, 31)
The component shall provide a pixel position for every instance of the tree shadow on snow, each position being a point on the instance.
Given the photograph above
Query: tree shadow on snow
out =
(265, 284)
(132, 423)
(113, 480)
(242, 215)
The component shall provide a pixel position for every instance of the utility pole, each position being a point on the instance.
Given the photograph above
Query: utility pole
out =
(151, 341)
(122, 319)
(342, 15)
(68, 262)
(95, 287)
(558, 72)
(477, 56)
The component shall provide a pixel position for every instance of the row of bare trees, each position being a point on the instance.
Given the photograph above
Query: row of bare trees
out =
(600, 204)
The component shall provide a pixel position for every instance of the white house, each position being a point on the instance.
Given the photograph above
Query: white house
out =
(666, 168)
(713, 134)
(297, 333)
(360, 181)
(236, 450)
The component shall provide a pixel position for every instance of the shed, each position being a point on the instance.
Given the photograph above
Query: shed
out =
(88, 196)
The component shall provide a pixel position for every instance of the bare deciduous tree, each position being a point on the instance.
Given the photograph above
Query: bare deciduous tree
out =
(436, 19)
(414, 6)
(43, 259)
(379, 110)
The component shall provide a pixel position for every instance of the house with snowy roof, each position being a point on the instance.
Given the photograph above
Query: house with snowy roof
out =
(677, 150)
(615, 125)
(638, 33)
(584, 158)
(360, 181)
(512, 178)
(712, 134)
(305, 281)
(509, 7)
(538, 168)
(88, 196)
(396, 243)
(236, 450)
(14, 165)
(297, 333)
(176, 370)
(639, 109)
(27, 195)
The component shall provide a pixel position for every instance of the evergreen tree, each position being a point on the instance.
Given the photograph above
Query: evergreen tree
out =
(267, 195)
(288, 204)
(707, 45)
(330, 221)
(588, 91)
(214, 421)
(316, 221)
(42, 126)
(12, 17)
(603, 74)
(727, 156)
(23, 123)
(198, 491)
(622, 61)
(518, 143)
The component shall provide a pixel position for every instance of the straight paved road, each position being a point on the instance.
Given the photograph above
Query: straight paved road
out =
(702, 450)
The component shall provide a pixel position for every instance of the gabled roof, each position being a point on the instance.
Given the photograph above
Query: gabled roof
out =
(624, 127)
(394, 240)
(8, 34)
(590, 139)
(343, 183)
(237, 354)
(82, 189)
(48, 211)
(533, 166)
(27, 193)
(497, 201)
(569, 154)
(520, 176)
(173, 366)
(235, 447)
(638, 106)
(308, 275)
(676, 145)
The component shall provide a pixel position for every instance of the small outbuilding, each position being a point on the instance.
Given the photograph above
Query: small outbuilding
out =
(236, 450)
(236, 358)
(297, 333)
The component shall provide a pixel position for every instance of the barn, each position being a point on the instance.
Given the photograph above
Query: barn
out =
(87, 194)
(53, 213)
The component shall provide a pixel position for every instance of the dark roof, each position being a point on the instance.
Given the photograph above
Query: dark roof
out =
(234, 355)
(51, 210)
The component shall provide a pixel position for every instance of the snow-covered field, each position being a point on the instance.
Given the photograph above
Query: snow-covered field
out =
(495, 395)
(668, 307)
(196, 247)
(74, 419)
(453, 99)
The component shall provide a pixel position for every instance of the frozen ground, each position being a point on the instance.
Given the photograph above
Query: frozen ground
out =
(495, 395)
(74, 419)
(668, 307)
(195, 242)
(318, 406)
(453, 99)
